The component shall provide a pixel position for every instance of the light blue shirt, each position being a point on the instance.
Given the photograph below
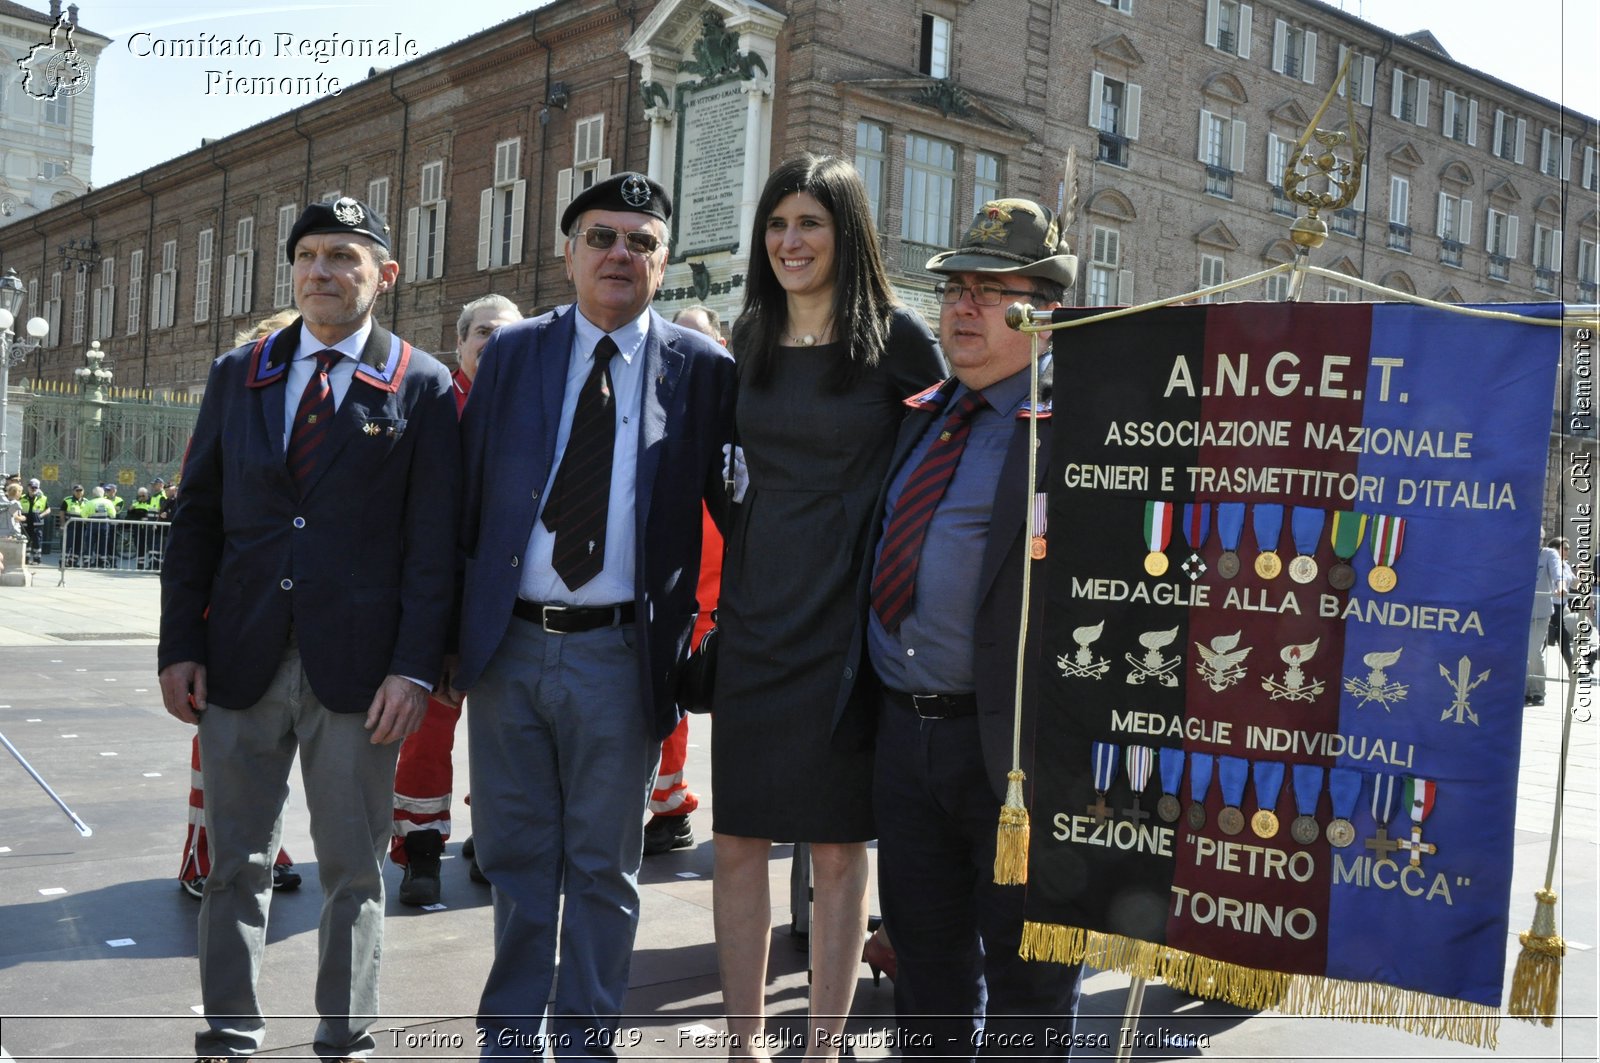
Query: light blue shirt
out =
(304, 365)
(614, 584)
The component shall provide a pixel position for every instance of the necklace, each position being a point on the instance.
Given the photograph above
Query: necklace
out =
(808, 340)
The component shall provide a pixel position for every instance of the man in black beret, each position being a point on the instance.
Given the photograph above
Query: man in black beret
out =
(318, 508)
(592, 435)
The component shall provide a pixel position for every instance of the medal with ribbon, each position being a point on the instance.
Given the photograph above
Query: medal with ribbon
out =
(1388, 534)
(1305, 524)
(1171, 763)
(1419, 799)
(1200, 765)
(1267, 519)
(1269, 783)
(1157, 532)
(1348, 531)
(1232, 773)
(1230, 524)
(1140, 760)
(1036, 546)
(1344, 791)
(1307, 791)
(1385, 793)
(1105, 773)
(1196, 526)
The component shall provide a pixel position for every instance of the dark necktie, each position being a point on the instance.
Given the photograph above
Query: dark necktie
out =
(312, 420)
(576, 508)
(894, 583)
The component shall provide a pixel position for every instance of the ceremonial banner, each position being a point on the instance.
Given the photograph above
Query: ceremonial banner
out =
(1289, 584)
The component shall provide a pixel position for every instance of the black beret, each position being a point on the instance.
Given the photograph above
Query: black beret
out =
(343, 215)
(626, 191)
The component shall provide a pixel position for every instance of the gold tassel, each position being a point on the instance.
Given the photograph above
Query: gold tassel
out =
(1537, 978)
(1011, 844)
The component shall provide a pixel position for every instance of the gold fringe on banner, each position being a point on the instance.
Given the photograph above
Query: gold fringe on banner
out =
(1248, 987)
(1537, 978)
(1011, 845)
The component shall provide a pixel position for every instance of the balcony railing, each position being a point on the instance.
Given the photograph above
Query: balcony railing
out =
(1219, 181)
(1113, 149)
(1228, 42)
(1499, 268)
(1544, 280)
(1345, 222)
(914, 256)
(1450, 252)
(1282, 204)
(1399, 237)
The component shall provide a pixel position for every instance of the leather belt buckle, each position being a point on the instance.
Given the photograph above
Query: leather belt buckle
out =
(929, 707)
(546, 612)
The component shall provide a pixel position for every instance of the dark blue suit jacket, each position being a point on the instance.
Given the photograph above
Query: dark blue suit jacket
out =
(362, 567)
(508, 433)
(998, 620)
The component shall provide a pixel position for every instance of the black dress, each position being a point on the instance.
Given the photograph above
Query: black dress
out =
(816, 460)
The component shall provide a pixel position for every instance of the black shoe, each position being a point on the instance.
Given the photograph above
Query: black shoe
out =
(420, 886)
(1533, 700)
(194, 887)
(285, 878)
(469, 853)
(666, 833)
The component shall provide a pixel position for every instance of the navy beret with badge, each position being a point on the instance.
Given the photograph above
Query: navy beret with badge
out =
(343, 215)
(626, 191)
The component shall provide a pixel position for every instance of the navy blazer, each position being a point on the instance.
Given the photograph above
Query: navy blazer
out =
(508, 433)
(361, 569)
(998, 620)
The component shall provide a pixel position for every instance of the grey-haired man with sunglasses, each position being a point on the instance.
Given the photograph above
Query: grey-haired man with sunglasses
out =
(591, 437)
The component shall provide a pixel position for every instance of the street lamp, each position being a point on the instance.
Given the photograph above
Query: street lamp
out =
(12, 350)
(91, 372)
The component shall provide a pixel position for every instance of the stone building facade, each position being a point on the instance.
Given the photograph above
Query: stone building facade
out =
(47, 85)
(1179, 113)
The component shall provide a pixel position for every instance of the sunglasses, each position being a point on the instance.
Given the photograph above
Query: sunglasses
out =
(601, 237)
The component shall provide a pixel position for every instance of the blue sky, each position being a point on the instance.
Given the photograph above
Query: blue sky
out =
(151, 108)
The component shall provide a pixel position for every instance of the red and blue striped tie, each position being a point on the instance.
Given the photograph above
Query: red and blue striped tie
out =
(312, 420)
(894, 584)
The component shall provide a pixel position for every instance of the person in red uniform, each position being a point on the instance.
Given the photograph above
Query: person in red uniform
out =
(671, 801)
(422, 779)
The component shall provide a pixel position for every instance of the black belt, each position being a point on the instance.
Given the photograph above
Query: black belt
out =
(571, 619)
(934, 706)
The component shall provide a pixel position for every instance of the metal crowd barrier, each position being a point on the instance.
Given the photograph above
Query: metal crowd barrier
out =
(103, 545)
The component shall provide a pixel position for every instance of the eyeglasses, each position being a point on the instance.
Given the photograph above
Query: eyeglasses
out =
(601, 237)
(982, 294)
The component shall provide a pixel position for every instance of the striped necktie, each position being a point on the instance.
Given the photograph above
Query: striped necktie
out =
(576, 508)
(894, 583)
(313, 418)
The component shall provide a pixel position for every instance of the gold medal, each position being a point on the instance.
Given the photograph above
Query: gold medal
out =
(1036, 548)
(1340, 833)
(1155, 563)
(1304, 829)
(1303, 569)
(1268, 565)
(1230, 820)
(1264, 823)
(1382, 579)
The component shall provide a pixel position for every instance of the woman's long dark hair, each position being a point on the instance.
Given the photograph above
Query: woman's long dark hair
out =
(862, 297)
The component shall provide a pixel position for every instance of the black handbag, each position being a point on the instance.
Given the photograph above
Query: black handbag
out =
(697, 676)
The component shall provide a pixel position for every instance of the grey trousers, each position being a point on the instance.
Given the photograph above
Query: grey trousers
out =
(349, 784)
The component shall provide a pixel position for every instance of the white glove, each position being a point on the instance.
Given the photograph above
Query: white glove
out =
(734, 471)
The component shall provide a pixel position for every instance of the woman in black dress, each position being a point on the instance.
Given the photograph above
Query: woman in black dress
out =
(826, 360)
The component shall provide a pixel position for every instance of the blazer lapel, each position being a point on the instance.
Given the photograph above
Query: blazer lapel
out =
(268, 379)
(663, 370)
(1008, 520)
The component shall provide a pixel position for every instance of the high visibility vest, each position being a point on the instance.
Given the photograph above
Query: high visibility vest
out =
(76, 507)
(101, 509)
(147, 510)
(34, 503)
